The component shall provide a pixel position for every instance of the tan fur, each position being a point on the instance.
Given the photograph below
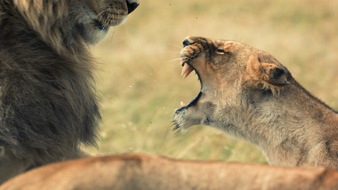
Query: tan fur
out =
(48, 102)
(150, 172)
(246, 92)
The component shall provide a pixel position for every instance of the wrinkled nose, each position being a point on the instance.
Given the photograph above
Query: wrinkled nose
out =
(186, 42)
(132, 5)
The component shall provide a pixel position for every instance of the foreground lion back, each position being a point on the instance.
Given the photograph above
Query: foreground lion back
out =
(149, 172)
(48, 103)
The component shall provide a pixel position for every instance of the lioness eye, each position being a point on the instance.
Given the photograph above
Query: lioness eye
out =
(220, 51)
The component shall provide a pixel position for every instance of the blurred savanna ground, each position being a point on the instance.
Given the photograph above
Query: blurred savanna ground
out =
(138, 70)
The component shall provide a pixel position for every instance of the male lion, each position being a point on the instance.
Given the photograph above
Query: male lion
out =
(48, 105)
(152, 172)
(248, 93)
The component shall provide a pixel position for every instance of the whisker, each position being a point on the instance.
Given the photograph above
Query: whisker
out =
(175, 45)
(176, 128)
(175, 52)
(101, 13)
(173, 60)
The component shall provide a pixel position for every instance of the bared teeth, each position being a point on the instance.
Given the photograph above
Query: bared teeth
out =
(182, 103)
(186, 70)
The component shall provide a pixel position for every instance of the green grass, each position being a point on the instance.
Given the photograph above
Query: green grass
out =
(139, 72)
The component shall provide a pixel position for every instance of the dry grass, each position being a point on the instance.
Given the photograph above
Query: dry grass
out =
(139, 73)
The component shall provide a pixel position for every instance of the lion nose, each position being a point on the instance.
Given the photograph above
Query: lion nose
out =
(186, 43)
(132, 5)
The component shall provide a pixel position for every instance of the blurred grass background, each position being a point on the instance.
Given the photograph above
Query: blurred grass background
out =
(139, 72)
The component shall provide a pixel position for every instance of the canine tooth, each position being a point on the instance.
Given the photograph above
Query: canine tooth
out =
(186, 70)
(182, 103)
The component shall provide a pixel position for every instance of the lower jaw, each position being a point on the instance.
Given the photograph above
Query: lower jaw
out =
(192, 102)
(118, 21)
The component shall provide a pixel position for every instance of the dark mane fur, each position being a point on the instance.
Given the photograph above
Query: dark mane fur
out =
(48, 105)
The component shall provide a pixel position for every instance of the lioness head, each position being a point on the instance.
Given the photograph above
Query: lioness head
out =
(232, 76)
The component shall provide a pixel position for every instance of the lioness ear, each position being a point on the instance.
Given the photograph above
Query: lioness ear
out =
(273, 74)
(267, 75)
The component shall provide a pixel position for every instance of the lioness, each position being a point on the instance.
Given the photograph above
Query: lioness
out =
(246, 92)
(151, 172)
(48, 105)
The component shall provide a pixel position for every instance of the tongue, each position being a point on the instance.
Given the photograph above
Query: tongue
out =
(186, 70)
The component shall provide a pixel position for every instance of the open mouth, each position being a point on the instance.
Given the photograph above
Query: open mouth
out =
(187, 68)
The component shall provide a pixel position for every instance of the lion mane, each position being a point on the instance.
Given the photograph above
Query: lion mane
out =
(48, 105)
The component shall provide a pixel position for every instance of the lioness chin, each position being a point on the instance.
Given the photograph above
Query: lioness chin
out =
(246, 92)
(48, 105)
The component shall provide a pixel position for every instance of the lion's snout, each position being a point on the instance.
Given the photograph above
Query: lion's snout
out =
(132, 5)
(185, 42)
